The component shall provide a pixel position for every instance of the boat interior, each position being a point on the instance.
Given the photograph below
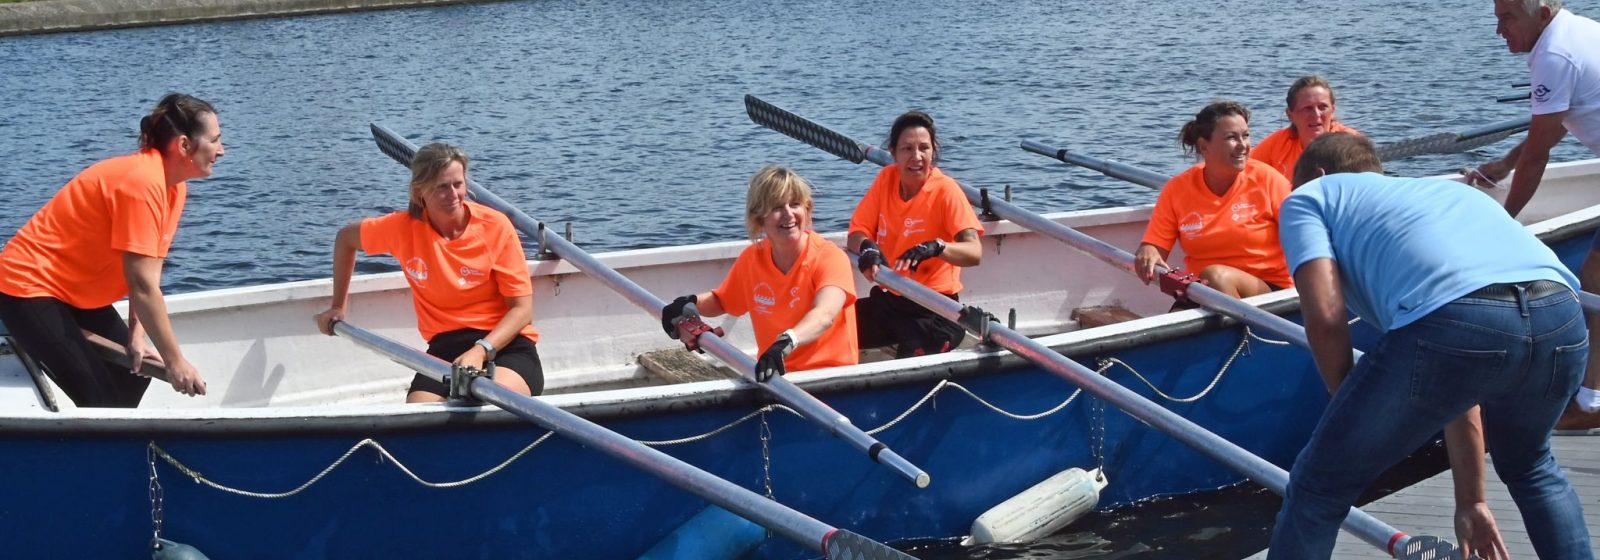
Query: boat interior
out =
(261, 354)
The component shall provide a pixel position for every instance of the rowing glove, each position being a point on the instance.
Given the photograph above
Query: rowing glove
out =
(921, 252)
(673, 312)
(771, 362)
(870, 255)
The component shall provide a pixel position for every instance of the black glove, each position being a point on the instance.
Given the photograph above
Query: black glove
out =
(870, 255)
(921, 252)
(771, 361)
(672, 312)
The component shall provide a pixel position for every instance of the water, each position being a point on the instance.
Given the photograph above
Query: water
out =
(626, 119)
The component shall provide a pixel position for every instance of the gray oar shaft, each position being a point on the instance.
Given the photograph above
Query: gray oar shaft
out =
(780, 519)
(1359, 523)
(781, 389)
(1129, 173)
(1515, 125)
(1590, 302)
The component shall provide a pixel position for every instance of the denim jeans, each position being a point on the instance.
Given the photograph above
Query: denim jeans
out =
(1521, 360)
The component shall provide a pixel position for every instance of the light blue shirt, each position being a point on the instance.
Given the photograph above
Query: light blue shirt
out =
(1405, 247)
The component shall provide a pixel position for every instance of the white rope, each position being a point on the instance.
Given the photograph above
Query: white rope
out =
(941, 386)
(1244, 343)
(185, 469)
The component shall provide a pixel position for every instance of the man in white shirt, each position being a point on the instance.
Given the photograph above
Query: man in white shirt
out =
(1564, 66)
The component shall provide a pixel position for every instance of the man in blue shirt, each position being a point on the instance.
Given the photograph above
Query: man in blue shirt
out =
(1477, 315)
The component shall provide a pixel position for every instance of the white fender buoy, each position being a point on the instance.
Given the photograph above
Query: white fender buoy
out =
(1041, 510)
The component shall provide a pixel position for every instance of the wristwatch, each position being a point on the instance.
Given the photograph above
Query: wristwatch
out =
(487, 347)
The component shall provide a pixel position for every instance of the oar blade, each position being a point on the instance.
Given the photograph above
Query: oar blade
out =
(1426, 547)
(1481, 141)
(845, 545)
(1431, 144)
(797, 127)
(394, 145)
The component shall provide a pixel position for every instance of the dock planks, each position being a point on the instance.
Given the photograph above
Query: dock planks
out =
(1428, 507)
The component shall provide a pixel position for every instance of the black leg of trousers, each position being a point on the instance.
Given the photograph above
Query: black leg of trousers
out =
(51, 332)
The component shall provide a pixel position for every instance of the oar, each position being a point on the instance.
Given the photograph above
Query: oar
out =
(1138, 175)
(779, 388)
(816, 535)
(800, 128)
(118, 354)
(1357, 522)
(1453, 142)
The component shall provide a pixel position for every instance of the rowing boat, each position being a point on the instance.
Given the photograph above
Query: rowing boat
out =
(301, 448)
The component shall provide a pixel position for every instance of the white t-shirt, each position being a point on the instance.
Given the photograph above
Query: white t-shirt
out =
(1565, 71)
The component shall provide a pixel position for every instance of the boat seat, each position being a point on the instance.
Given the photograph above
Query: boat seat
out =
(1102, 315)
(677, 365)
(23, 386)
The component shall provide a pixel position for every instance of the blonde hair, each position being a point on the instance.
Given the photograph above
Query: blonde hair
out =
(426, 165)
(771, 187)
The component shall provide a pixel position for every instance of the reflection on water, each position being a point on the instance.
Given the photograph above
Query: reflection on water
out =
(626, 119)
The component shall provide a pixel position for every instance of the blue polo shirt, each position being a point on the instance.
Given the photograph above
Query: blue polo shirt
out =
(1405, 247)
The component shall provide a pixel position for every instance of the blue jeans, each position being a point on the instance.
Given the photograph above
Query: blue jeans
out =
(1521, 360)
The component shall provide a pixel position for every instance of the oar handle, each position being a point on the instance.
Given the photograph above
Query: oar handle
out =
(780, 519)
(1242, 461)
(1129, 173)
(807, 405)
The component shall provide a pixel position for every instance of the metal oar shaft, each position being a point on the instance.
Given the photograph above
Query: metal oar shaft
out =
(1359, 523)
(770, 514)
(781, 389)
(1129, 173)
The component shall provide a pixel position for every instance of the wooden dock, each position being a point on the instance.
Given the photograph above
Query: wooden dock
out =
(1428, 507)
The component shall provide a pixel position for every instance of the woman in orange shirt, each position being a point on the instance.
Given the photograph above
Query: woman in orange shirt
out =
(104, 236)
(915, 212)
(795, 285)
(467, 271)
(1224, 210)
(1310, 111)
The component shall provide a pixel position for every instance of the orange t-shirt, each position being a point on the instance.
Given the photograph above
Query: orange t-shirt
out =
(939, 211)
(1238, 229)
(776, 301)
(72, 248)
(1282, 151)
(459, 283)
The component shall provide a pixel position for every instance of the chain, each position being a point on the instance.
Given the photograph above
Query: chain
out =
(156, 497)
(1097, 432)
(766, 455)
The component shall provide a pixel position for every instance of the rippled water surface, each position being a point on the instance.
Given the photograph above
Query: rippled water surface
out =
(625, 117)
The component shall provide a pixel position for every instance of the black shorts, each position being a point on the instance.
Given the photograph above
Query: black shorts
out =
(520, 355)
(883, 319)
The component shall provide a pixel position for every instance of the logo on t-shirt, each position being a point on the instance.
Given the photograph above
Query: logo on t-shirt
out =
(764, 297)
(471, 277)
(1243, 211)
(1191, 224)
(912, 227)
(794, 297)
(417, 269)
(1541, 93)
